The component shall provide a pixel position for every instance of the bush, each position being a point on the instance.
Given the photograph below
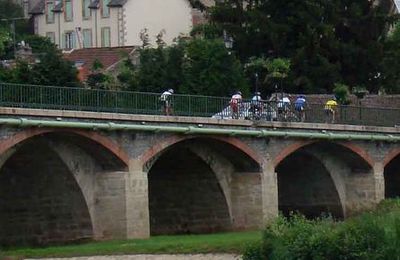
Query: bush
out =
(342, 93)
(373, 235)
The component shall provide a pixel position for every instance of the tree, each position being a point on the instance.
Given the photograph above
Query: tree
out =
(51, 69)
(390, 73)
(10, 10)
(209, 69)
(193, 66)
(4, 38)
(323, 39)
(98, 79)
(54, 70)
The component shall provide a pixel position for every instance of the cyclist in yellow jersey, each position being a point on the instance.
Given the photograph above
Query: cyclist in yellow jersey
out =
(330, 110)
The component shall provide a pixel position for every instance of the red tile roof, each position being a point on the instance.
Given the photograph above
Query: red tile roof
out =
(107, 56)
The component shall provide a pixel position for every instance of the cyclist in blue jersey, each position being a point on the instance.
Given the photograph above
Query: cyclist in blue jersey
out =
(300, 107)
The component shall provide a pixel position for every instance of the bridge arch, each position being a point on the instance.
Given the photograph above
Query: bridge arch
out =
(47, 183)
(202, 170)
(147, 158)
(92, 135)
(313, 177)
(298, 145)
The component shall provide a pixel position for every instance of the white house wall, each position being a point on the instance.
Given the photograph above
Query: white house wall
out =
(78, 22)
(126, 23)
(173, 16)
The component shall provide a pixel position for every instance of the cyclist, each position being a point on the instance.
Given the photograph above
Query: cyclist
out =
(300, 107)
(284, 107)
(256, 105)
(235, 104)
(166, 99)
(330, 110)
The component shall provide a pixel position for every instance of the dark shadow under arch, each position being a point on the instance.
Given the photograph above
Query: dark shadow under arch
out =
(185, 194)
(392, 178)
(40, 201)
(305, 186)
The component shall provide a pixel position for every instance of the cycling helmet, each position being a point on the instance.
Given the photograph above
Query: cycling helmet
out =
(257, 93)
(239, 93)
(171, 91)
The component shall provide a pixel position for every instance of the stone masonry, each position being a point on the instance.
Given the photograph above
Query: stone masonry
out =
(66, 184)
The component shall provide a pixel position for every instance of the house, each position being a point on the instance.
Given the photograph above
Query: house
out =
(109, 58)
(74, 24)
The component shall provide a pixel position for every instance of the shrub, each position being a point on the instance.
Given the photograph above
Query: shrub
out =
(342, 93)
(373, 235)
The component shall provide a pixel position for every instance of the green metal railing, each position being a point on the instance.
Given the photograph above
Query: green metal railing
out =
(81, 99)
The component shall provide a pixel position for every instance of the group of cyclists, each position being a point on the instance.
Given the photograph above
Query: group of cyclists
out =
(284, 110)
(282, 107)
(278, 109)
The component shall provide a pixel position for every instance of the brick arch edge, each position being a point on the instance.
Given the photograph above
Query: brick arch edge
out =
(390, 156)
(156, 149)
(294, 147)
(96, 137)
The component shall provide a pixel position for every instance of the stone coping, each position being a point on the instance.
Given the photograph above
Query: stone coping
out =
(21, 112)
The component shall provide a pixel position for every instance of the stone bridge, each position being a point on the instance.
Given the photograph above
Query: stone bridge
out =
(67, 176)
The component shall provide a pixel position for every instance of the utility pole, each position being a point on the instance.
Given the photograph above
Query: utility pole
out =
(12, 26)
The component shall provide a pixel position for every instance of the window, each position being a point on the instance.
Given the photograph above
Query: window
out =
(68, 13)
(105, 10)
(105, 37)
(87, 38)
(49, 12)
(51, 36)
(85, 9)
(69, 40)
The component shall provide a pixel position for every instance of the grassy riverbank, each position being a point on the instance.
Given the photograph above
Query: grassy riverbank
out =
(214, 243)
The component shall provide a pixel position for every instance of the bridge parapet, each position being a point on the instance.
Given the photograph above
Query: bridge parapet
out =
(81, 99)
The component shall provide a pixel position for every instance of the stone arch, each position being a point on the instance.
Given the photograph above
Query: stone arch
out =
(41, 202)
(209, 152)
(94, 136)
(294, 147)
(341, 163)
(147, 158)
(81, 153)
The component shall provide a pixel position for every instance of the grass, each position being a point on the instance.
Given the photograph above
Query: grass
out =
(182, 244)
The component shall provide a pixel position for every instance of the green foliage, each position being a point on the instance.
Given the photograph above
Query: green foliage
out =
(97, 65)
(207, 31)
(278, 68)
(39, 44)
(373, 235)
(326, 41)
(359, 91)
(197, 66)
(391, 62)
(271, 71)
(4, 38)
(127, 75)
(8, 10)
(208, 69)
(53, 70)
(342, 93)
